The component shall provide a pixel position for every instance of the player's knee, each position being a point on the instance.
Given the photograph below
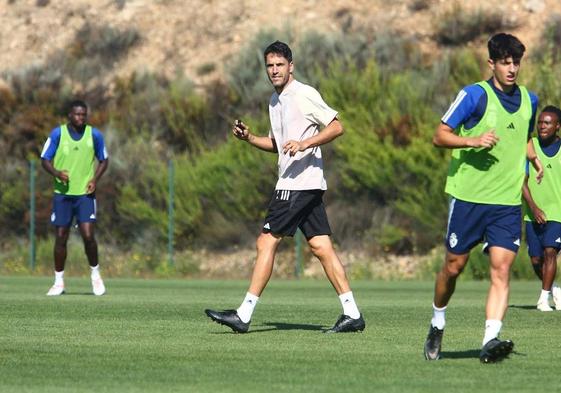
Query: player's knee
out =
(454, 266)
(453, 269)
(266, 242)
(61, 239)
(550, 255)
(321, 250)
(89, 240)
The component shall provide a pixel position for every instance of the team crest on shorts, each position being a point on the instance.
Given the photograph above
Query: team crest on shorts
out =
(453, 240)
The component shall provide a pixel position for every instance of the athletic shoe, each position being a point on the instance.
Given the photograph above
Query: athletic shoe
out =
(556, 292)
(543, 305)
(433, 343)
(346, 324)
(495, 350)
(56, 290)
(98, 287)
(229, 318)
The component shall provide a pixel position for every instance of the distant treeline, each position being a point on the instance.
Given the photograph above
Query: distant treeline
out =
(385, 178)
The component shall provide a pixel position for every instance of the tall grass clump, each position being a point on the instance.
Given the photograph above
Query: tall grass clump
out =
(457, 26)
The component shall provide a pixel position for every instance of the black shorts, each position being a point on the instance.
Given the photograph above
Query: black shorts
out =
(289, 210)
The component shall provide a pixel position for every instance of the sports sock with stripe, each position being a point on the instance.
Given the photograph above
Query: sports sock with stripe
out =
(349, 306)
(246, 308)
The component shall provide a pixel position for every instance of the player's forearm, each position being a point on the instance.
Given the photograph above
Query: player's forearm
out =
(48, 166)
(444, 136)
(329, 133)
(100, 170)
(531, 151)
(262, 142)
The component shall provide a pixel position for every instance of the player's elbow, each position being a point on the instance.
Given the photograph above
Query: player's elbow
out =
(338, 129)
(437, 140)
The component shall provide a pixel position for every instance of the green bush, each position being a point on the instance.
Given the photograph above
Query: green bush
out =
(458, 26)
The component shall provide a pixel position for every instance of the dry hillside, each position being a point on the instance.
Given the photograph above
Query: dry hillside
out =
(191, 35)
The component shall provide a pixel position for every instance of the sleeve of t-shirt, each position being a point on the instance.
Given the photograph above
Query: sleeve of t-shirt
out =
(463, 106)
(535, 101)
(51, 145)
(99, 145)
(314, 108)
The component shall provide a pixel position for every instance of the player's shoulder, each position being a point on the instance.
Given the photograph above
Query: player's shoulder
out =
(302, 88)
(55, 132)
(96, 132)
(474, 91)
(533, 98)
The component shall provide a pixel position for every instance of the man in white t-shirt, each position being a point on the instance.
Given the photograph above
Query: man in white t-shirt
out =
(300, 123)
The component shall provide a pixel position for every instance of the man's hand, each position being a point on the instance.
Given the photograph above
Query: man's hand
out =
(486, 140)
(63, 176)
(90, 187)
(537, 164)
(293, 147)
(240, 130)
(539, 215)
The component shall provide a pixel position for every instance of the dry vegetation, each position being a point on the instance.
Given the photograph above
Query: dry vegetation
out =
(199, 37)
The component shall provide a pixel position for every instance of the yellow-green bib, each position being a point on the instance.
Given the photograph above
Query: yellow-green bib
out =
(547, 194)
(76, 158)
(493, 176)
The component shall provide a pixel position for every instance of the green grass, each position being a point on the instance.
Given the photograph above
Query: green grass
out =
(152, 336)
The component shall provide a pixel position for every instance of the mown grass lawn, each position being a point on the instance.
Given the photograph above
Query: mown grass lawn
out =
(152, 336)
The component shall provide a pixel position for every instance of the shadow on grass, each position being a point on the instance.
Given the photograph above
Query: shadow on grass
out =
(522, 307)
(469, 354)
(287, 326)
(274, 326)
(78, 294)
(473, 354)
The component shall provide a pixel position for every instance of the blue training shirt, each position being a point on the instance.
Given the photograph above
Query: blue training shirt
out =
(469, 106)
(51, 145)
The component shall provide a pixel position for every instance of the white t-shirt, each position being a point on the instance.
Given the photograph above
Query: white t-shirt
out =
(299, 113)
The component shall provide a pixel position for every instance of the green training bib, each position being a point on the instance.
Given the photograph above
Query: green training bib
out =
(76, 158)
(493, 176)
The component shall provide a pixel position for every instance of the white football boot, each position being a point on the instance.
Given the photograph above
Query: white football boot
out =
(98, 287)
(56, 290)
(543, 305)
(556, 294)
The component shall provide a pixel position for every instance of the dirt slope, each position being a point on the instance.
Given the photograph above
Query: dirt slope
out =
(193, 34)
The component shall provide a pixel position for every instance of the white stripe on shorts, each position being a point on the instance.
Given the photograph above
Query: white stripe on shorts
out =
(450, 211)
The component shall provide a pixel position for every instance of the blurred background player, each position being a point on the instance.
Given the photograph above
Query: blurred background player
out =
(300, 123)
(488, 127)
(542, 207)
(69, 156)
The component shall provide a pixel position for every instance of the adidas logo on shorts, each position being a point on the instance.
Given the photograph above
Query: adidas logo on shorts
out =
(267, 226)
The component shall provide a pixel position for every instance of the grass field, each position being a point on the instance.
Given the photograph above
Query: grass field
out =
(152, 336)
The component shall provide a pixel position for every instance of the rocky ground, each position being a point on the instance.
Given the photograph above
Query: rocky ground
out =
(195, 35)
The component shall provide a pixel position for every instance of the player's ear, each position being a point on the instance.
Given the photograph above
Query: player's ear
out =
(491, 64)
(291, 67)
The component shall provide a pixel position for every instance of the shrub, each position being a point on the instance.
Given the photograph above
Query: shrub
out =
(458, 26)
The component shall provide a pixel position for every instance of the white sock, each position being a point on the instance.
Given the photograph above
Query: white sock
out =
(544, 295)
(349, 306)
(59, 278)
(492, 330)
(246, 308)
(95, 272)
(438, 317)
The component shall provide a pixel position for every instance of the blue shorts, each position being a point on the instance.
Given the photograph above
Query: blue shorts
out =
(471, 223)
(539, 237)
(68, 207)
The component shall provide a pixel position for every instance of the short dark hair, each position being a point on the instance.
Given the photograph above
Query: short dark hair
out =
(503, 45)
(553, 109)
(76, 103)
(279, 48)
